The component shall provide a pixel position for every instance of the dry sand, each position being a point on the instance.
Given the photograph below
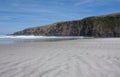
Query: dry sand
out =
(71, 58)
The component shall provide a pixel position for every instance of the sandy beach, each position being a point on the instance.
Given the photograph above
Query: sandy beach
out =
(98, 57)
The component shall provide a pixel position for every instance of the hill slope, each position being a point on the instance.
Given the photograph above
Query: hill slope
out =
(96, 26)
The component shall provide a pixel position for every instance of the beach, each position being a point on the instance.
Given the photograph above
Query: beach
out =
(95, 57)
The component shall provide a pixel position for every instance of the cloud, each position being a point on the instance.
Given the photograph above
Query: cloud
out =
(92, 3)
(83, 2)
(54, 8)
(40, 9)
(33, 6)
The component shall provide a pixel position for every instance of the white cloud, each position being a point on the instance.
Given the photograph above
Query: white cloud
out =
(91, 3)
(83, 2)
(30, 6)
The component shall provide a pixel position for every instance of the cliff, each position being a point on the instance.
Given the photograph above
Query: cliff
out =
(96, 26)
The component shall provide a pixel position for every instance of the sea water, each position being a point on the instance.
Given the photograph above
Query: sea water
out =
(10, 39)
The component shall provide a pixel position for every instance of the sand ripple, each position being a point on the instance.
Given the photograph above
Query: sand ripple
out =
(86, 58)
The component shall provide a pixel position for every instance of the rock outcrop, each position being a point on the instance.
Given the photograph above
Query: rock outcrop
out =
(96, 26)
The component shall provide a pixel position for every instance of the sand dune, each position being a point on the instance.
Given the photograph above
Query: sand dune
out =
(71, 58)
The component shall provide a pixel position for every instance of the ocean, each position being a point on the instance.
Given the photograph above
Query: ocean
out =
(5, 39)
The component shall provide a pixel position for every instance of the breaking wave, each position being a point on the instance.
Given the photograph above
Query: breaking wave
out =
(38, 37)
(10, 39)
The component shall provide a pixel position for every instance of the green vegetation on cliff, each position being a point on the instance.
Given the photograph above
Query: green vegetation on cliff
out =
(96, 26)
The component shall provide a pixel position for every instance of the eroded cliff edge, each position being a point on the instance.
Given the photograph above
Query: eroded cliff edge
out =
(95, 26)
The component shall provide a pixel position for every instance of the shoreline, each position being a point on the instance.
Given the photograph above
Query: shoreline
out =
(22, 39)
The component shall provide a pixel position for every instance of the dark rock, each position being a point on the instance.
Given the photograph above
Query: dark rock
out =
(96, 26)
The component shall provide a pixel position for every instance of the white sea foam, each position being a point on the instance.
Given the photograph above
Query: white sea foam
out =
(38, 37)
(21, 37)
(18, 39)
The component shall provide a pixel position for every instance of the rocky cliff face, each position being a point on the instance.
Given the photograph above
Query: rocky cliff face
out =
(96, 26)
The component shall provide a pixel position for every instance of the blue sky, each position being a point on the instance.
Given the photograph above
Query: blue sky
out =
(19, 14)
